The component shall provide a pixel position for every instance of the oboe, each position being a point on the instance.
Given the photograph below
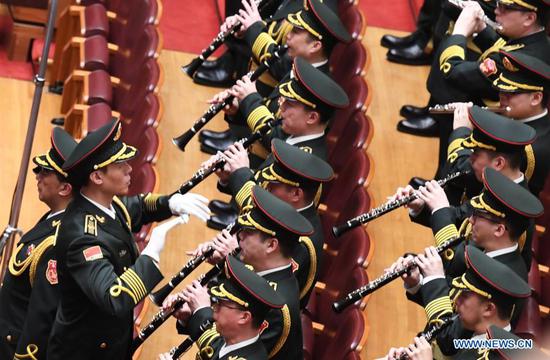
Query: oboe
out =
(194, 65)
(432, 332)
(460, 4)
(386, 208)
(158, 296)
(182, 140)
(202, 174)
(385, 279)
(161, 316)
(449, 109)
(177, 351)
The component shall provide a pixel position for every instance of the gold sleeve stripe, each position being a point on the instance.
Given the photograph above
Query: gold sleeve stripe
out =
(124, 211)
(117, 289)
(261, 46)
(150, 201)
(530, 154)
(455, 146)
(258, 117)
(284, 335)
(32, 350)
(493, 49)
(207, 337)
(244, 193)
(450, 52)
(312, 265)
(439, 306)
(446, 233)
(133, 280)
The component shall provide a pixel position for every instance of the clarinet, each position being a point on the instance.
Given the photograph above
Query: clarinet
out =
(161, 316)
(449, 109)
(194, 65)
(182, 140)
(202, 174)
(177, 351)
(357, 294)
(158, 296)
(386, 208)
(432, 332)
(460, 4)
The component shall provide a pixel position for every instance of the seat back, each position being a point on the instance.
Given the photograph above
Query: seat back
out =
(353, 138)
(344, 338)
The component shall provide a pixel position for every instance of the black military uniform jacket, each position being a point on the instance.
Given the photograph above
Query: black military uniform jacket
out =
(102, 277)
(29, 295)
(281, 332)
(538, 155)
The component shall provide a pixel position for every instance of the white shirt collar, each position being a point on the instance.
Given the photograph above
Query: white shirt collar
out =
(535, 117)
(484, 335)
(226, 349)
(293, 140)
(111, 212)
(519, 179)
(305, 207)
(499, 252)
(266, 272)
(55, 213)
(315, 65)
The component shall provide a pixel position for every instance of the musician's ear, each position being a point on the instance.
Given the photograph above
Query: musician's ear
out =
(489, 309)
(66, 189)
(316, 46)
(96, 177)
(245, 318)
(536, 98)
(499, 162)
(313, 117)
(272, 245)
(500, 230)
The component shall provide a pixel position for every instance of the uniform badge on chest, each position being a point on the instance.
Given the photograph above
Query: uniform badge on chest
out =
(51, 272)
(122, 252)
(30, 249)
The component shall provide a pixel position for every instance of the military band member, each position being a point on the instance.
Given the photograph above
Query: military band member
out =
(239, 305)
(487, 293)
(296, 177)
(29, 294)
(524, 85)
(268, 235)
(102, 277)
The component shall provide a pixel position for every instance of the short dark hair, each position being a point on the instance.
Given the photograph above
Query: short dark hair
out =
(513, 158)
(542, 15)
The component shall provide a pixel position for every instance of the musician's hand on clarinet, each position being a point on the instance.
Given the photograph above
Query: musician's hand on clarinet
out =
(415, 206)
(229, 22)
(249, 15)
(230, 109)
(196, 296)
(419, 350)
(470, 20)
(410, 278)
(224, 243)
(190, 204)
(183, 313)
(235, 157)
(165, 356)
(433, 195)
(460, 115)
(201, 249)
(394, 353)
(243, 88)
(430, 263)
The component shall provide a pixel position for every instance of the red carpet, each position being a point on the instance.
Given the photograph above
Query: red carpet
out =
(191, 25)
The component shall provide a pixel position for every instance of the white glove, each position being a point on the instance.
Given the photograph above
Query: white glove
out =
(158, 236)
(192, 204)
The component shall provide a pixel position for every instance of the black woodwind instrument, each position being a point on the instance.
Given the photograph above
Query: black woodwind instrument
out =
(202, 174)
(218, 41)
(432, 331)
(386, 208)
(461, 3)
(357, 294)
(161, 316)
(177, 351)
(449, 109)
(158, 296)
(182, 140)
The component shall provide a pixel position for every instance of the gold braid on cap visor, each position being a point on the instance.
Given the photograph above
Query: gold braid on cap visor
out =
(269, 174)
(247, 220)
(478, 203)
(55, 166)
(470, 142)
(287, 91)
(519, 2)
(118, 156)
(296, 19)
(512, 85)
(222, 293)
(459, 284)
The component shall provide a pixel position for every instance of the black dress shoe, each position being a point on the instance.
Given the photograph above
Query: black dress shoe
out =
(56, 88)
(219, 207)
(391, 41)
(59, 121)
(217, 77)
(417, 182)
(421, 126)
(411, 111)
(413, 54)
(223, 60)
(221, 221)
(215, 135)
(211, 146)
